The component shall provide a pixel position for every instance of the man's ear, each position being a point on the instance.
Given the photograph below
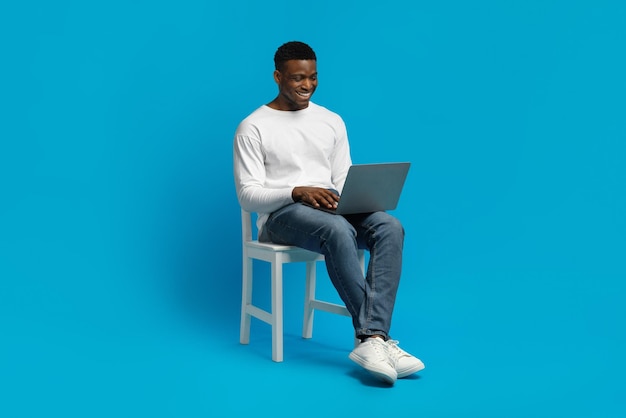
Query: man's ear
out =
(277, 76)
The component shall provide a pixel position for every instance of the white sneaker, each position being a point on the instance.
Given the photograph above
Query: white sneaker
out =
(405, 363)
(372, 354)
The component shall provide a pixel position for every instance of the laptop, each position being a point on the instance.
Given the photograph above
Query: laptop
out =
(371, 188)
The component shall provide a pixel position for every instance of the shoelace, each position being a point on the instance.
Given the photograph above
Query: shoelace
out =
(395, 352)
(382, 350)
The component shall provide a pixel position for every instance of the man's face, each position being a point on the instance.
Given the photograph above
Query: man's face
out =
(297, 81)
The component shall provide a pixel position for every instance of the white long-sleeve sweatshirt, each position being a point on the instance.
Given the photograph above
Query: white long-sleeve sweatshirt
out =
(275, 151)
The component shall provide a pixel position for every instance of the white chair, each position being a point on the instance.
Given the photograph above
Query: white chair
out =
(277, 255)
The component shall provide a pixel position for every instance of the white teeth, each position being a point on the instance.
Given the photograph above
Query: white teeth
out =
(303, 94)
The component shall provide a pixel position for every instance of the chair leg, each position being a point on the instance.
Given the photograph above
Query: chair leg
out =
(277, 309)
(246, 300)
(309, 296)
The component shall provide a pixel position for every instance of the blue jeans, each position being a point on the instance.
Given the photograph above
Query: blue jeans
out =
(370, 299)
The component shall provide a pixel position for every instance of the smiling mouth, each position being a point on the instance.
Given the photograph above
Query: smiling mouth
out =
(304, 95)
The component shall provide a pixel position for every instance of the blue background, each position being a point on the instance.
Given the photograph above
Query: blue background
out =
(120, 230)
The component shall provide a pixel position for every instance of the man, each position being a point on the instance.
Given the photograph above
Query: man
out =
(292, 156)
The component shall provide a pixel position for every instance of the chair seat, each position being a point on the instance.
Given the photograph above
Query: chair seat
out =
(277, 247)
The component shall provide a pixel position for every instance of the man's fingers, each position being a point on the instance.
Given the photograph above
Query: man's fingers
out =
(316, 196)
(329, 199)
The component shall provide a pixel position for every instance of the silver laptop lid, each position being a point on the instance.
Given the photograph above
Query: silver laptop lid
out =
(372, 187)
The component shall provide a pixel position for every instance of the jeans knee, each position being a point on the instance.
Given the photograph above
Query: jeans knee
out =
(339, 232)
(388, 222)
(396, 226)
(389, 229)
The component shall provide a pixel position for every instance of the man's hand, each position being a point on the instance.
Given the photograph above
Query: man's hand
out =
(316, 196)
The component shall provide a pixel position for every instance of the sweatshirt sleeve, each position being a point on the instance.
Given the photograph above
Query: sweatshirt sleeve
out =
(340, 159)
(249, 173)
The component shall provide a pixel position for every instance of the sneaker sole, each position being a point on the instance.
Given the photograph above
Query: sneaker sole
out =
(410, 371)
(380, 373)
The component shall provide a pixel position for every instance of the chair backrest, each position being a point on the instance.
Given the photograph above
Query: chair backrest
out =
(246, 226)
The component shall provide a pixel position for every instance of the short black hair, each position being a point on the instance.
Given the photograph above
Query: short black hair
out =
(294, 50)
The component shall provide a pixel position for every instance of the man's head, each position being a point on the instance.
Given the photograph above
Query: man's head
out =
(295, 75)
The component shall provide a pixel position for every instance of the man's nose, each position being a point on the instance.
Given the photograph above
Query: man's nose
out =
(306, 83)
